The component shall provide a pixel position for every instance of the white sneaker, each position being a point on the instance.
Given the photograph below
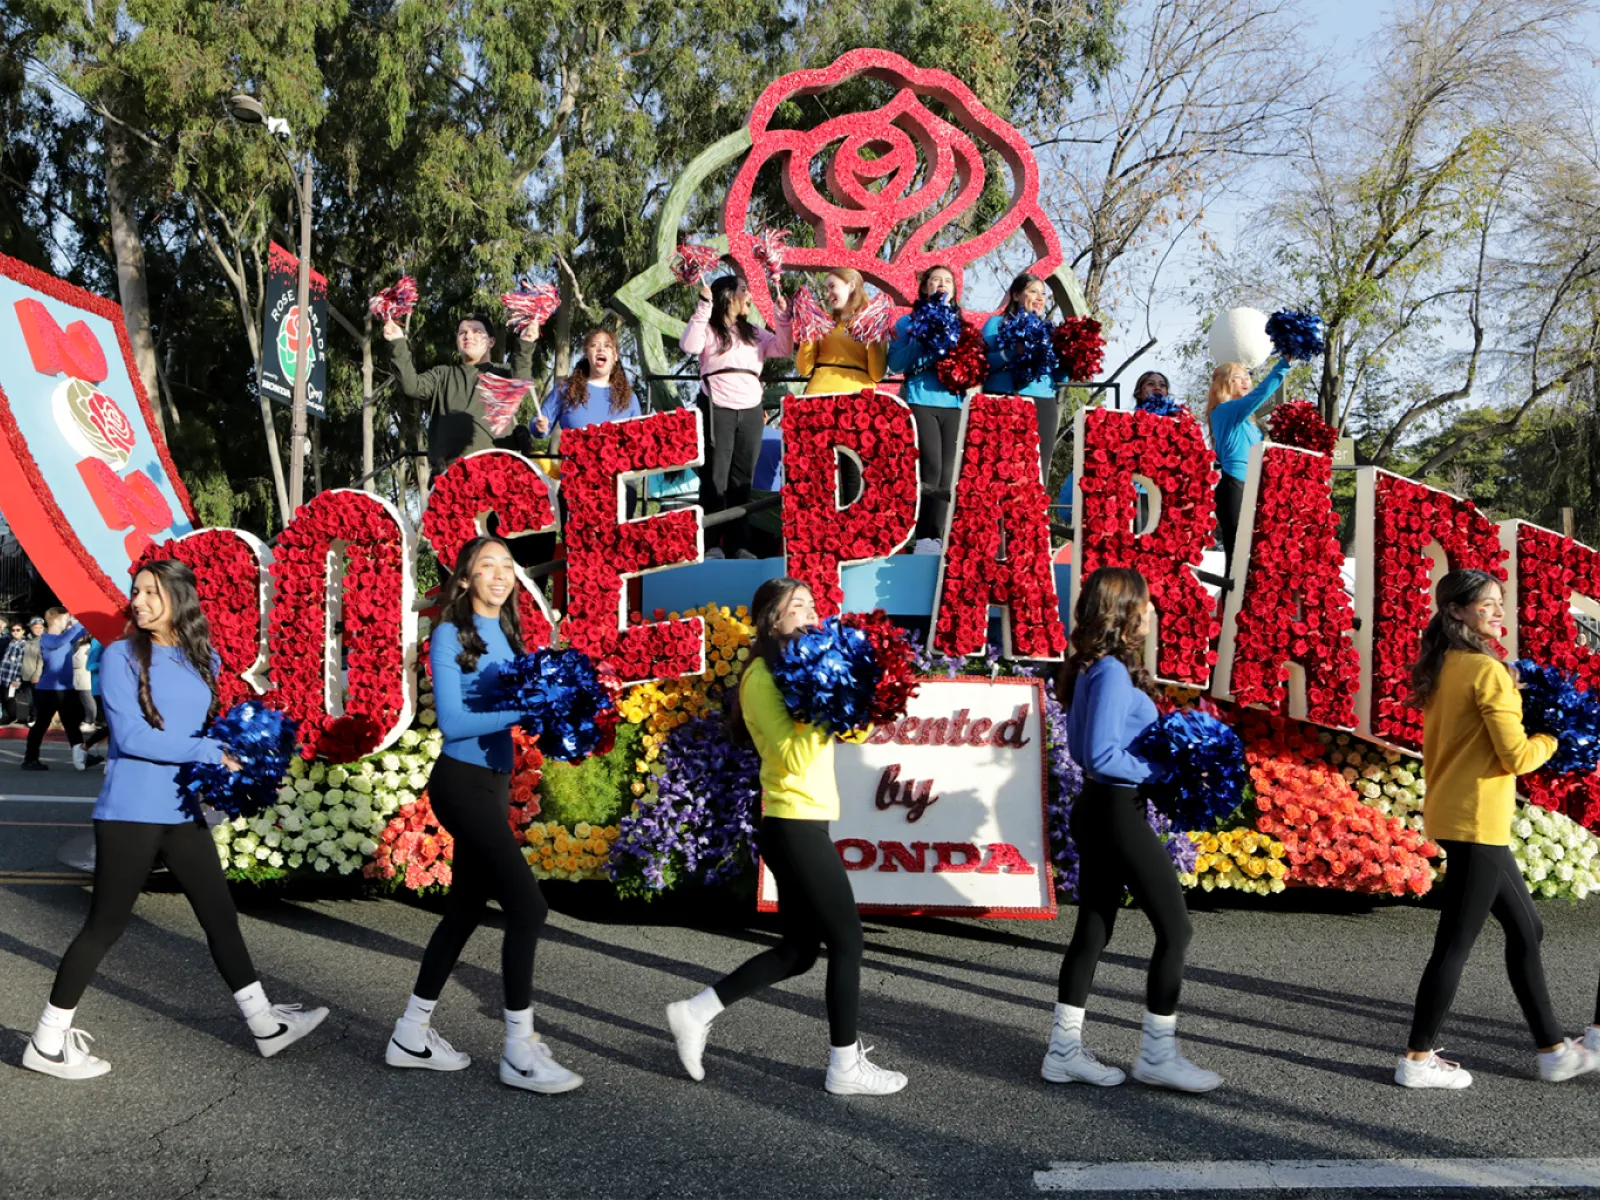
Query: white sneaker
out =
(928, 546)
(80, 758)
(1431, 1072)
(293, 1024)
(436, 1053)
(1067, 1061)
(1571, 1060)
(72, 1061)
(864, 1078)
(690, 1035)
(1591, 1039)
(1160, 1065)
(536, 1071)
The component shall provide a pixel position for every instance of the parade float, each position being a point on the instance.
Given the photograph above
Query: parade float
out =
(959, 806)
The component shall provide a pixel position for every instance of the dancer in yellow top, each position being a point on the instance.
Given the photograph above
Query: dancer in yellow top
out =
(839, 363)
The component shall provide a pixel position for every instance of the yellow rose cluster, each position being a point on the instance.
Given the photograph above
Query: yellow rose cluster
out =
(1241, 859)
(555, 852)
(664, 705)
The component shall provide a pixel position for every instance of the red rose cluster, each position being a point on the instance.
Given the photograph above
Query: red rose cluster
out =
(1299, 423)
(1172, 454)
(603, 550)
(1550, 568)
(1332, 839)
(896, 662)
(999, 486)
(1294, 607)
(518, 494)
(230, 574)
(821, 537)
(1080, 347)
(374, 610)
(1408, 516)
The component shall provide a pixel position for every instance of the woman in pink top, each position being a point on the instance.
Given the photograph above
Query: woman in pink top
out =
(731, 351)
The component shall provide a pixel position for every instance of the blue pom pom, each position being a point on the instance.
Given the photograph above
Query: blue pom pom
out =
(1161, 405)
(263, 741)
(562, 702)
(1198, 766)
(827, 676)
(1029, 346)
(936, 324)
(1295, 334)
(1552, 702)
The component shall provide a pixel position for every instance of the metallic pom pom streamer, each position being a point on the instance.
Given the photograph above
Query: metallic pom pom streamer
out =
(936, 323)
(692, 265)
(894, 663)
(1160, 404)
(501, 399)
(768, 247)
(1080, 347)
(566, 702)
(1026, 339)
(1299, 423)
(967, 365)
(395, 302)
(263, 741)
(828, 677)
(1295, 334)
(808, 320)
(872, 323)
(531, 302)
(1199, 768)
(1552, 702)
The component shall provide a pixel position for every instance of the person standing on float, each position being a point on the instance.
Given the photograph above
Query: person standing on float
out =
(1231, 406)
(816, 905)
(158, 688)
(839, 364)
(1473, 748)
(934, 407)
(731, 351)
(470, 791)
(1108, 697)
(1027, 293)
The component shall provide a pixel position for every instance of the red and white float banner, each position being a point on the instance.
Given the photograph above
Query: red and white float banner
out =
(945, 810)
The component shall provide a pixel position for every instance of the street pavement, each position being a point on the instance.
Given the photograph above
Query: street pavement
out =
(1300, 1001)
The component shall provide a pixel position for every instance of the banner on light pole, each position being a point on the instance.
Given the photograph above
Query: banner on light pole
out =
(282, 329)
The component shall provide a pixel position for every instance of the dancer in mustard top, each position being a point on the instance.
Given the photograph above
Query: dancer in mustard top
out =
(839, 363)
(815, 903)
(1474, 747)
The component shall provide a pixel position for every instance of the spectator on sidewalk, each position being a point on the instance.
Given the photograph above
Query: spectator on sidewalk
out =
(16, 644)
(53, 693)
(87, 651)
(32, 664)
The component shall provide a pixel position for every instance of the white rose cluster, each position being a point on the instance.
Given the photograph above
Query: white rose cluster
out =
(1557, 856)
(330, 819)
(1388, 780)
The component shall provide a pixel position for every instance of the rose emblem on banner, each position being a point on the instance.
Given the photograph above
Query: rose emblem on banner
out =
(896, 167)
(92, 423)
(289, 344)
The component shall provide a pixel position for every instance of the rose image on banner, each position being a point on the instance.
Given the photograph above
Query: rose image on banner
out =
(92, 423)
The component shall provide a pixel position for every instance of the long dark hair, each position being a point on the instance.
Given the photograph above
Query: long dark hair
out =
(1014, 293)
(922, 284)
(189, 626)
(457, 607)
(1105, 624)
(576, 395)
(1446, 632)
(766, 613)
(724, 331)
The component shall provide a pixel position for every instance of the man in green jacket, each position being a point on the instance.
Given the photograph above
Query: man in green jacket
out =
(457, 423)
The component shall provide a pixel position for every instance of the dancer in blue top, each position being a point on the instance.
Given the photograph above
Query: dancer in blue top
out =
(158, 685)
(1027, 293)
(1231, 405)
(470, 788)
(597, 391)
(934, 407)
(54, 692)
(1108, 698)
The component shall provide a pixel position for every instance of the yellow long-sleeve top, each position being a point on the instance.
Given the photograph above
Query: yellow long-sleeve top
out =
(796, 759)
(839, 363)
(1473, 748)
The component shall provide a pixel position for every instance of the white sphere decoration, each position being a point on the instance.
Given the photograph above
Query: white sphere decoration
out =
(1240, 335)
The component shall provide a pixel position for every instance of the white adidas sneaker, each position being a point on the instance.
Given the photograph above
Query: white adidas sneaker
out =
(1067, 1061)
(434, 1054)
(690, 1035)
(864, 1078)
(534, 1070)
(1431, 1072)
(1568, 1061)
(72, 1061)
(293, 1024)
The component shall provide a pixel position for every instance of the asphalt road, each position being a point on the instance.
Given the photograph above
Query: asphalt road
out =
(1301, 1006)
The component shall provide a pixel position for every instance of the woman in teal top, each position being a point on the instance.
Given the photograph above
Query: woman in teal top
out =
(1230, 405)
(934, 407)
(1026, 294)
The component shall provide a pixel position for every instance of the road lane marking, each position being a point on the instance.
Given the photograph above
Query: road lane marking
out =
(1355, 1174)
(53, 824)
(31, 798)
(8, 878)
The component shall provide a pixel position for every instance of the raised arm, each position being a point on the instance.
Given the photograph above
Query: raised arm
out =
(779, 341)
(1500, 705)
(456, 720)
(521, 355)
(1237, 412)
(698, 331)
(412, 385)
(796, 745)
(131, 733)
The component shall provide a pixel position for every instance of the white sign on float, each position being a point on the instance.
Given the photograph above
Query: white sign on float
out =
(945, 810)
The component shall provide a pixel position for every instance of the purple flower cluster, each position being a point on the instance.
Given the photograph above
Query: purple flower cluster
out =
(702, 823)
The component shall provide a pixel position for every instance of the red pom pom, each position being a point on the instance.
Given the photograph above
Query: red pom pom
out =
(897, 668)
(1080, 347)
(529, 304)
(692, 265)
(808, 320)
(768, 247)
(396, 302)
(967, 366)
(1298, 423)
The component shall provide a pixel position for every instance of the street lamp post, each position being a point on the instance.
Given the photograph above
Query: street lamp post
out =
(248, 110)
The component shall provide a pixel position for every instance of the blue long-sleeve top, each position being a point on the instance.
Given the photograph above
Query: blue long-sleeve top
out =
(597, 411)
(1107, 712)
(475, 729)
(56, 650)
(910, 358)
(999, 382)
(1232, 430)
(142, 761)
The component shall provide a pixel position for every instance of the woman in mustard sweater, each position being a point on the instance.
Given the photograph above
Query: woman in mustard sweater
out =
(798, 799)
(838, 363)
(1474, 747)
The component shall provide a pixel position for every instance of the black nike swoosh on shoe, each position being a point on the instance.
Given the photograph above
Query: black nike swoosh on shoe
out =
(278, 1032)
(425, 1052)
(60, 1056)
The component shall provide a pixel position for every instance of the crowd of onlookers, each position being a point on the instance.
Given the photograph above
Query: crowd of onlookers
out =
(50, 669)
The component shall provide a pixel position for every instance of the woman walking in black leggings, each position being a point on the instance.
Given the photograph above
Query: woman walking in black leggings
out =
(798, 799)
(158, 686)
(1474, 747)
(1107, 696)
(470, 790)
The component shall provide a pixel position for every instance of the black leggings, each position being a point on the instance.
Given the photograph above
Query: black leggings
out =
(124, 852)
(47, 703)
(473, 804)
(816, 908)
(1480, 880)
(733, 445)
(936, 464)
(1117, 849)
(1230, 501)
